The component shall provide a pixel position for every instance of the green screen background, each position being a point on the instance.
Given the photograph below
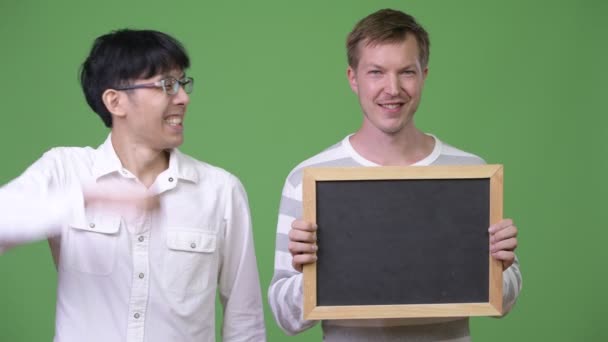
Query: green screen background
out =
(520, 83)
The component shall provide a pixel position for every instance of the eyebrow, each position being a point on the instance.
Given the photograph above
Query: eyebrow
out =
(163, 76)
(376, 66)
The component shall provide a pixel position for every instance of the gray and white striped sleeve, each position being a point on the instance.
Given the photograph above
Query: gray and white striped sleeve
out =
(285, 291)
(511, 286)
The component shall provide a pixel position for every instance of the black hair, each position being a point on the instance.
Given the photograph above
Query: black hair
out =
(124, 55)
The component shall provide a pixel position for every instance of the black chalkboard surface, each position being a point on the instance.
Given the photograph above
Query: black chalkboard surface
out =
(403, 241)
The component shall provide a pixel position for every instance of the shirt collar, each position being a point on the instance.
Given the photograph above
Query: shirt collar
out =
(106, 161)
(182, 166)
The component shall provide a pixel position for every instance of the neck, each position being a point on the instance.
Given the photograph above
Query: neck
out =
(403, 148)
(142, 161)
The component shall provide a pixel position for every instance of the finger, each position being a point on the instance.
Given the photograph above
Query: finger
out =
(297, 267)
(114, 190)
(504, 255)
(506, 264)
(302, 236)
(503, 234)
(303, 259)
(500, 225)
(506, 245)
(300, 248)
(303, 225)
(120, 199)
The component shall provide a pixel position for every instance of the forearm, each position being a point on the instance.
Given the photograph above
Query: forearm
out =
(35, 206)
(285, 291)
(27, 217)
(285, 299)
(243, 313)
(512, 283)
(240, 291)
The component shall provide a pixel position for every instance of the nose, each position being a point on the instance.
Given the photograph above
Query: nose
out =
(393, 85)
(181, 98)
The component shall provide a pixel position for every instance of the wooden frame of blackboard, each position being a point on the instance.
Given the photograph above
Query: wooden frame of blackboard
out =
(491, 307)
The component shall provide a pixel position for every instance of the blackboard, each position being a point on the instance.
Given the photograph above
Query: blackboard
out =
(403, 241)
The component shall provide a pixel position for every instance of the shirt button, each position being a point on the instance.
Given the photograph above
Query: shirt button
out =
(92, 225)
(136, 315)
(170, 179)
(141, 276)
(140, 239)
(193, 245)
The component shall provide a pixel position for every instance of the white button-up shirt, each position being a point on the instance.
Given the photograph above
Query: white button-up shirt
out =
(145, 276)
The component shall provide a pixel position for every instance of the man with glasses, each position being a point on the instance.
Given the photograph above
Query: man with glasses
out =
(388, 55)
(142, 235)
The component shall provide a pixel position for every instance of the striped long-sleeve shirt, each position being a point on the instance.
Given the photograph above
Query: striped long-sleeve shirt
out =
(285, 292)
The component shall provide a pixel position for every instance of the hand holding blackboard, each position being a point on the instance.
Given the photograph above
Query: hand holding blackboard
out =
(302, 243)
(503, 239)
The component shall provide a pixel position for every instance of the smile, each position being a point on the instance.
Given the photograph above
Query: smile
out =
(391, 105)
(174, 120)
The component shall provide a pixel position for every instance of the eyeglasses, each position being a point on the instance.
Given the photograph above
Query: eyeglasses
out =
(170, 85)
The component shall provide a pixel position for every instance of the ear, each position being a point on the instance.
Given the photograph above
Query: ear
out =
(425, 73)
(114, 101)
(352, 79)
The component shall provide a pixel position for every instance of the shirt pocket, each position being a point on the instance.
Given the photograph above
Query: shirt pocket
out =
(190, 263)
(91, 247)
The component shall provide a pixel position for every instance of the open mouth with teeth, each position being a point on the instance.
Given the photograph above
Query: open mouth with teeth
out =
(391, 106)
(174, 120)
